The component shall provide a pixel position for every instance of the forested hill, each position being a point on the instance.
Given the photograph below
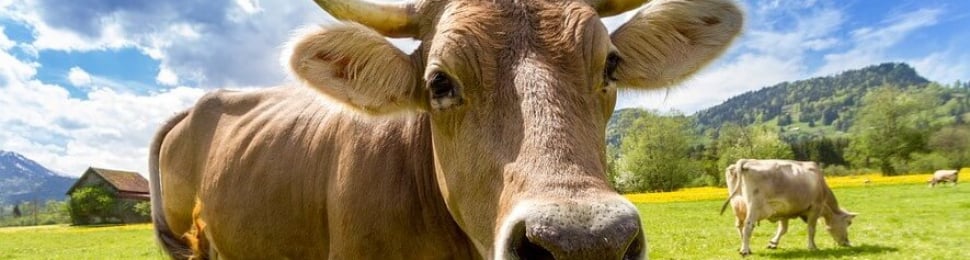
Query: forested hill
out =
(824, 101)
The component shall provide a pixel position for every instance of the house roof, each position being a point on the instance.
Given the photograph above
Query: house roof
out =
(123, 181)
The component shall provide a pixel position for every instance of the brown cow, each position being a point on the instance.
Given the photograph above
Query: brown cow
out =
(944, 176)
(779, 190)
(486, 142)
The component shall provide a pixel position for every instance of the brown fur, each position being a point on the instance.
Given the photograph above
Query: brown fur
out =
(284, 173)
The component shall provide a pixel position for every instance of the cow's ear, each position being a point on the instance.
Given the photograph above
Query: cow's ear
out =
(357, 66)
(669, 40)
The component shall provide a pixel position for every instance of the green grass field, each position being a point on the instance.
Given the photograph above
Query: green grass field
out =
(67, 242)
(895, 222)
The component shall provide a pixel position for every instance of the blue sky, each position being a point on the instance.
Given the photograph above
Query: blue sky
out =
(87, 82)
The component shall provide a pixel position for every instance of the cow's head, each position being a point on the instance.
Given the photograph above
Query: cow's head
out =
(518, 93)
(838, 226)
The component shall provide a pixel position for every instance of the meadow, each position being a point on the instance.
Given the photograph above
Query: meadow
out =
(904, 221)
(899, 218)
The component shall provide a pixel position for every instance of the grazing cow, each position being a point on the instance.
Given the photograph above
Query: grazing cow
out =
(486, 143)
(779, 190)
(944, 176)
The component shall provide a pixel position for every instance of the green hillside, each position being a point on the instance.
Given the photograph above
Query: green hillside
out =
(825, 101)
(883, 117)
(823, 106)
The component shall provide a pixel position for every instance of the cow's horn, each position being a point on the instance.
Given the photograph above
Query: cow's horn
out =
(614, 7)
(390, 19)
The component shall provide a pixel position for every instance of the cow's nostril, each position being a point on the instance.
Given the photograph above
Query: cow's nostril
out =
(635, 250)
(524, 249)
(529, 251)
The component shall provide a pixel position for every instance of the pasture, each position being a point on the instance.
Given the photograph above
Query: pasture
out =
(908, 221)
(896, 221)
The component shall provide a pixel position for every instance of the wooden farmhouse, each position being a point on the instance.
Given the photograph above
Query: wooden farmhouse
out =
(127, 188)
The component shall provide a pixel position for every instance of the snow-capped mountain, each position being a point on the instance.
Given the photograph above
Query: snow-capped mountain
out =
(22, 179)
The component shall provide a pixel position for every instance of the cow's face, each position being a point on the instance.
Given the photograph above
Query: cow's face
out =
(518, 94)
(838, 226)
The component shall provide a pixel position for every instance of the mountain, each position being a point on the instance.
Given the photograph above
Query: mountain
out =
(22, 179)
(820, 109)
(824, 102)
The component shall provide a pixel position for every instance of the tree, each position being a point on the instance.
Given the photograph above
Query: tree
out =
(755, 142)
(655, 154)
(90, 203)
(16, 211)
(953, 143)
(889, 127)
(784, 120)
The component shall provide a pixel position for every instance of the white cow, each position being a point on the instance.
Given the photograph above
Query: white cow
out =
(944, 176)
(779, 190)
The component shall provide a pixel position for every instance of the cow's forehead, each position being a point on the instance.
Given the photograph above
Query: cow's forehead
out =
(481, 40)
(515, 27)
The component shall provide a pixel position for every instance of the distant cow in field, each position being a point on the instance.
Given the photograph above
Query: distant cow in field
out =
(944, 176)
(779, 190)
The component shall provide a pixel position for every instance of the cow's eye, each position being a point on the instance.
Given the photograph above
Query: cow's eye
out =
(444, 92)
(441, 86)
(612, 60)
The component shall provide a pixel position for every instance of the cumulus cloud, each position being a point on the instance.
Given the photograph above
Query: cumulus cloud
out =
(108, 128)
(11, 68)
(206, 43)
(78, 77)
(167, 77)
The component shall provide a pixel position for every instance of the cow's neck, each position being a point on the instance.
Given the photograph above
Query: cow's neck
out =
(435, 213)
(831, 205)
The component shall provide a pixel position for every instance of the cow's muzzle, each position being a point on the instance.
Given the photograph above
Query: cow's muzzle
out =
(573, 230)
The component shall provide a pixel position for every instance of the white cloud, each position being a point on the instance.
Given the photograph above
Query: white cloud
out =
(717, 83)
(249, 6)
(944, 66)
(167, 77)
(871, 44)
(78, 77)
(54, 38)
(811, 31)
(12, 69)
(205, 43)
(109, 129)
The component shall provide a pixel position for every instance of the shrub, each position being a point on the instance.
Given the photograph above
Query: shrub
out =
(143, 208)
(90, 205)
(928, 162)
